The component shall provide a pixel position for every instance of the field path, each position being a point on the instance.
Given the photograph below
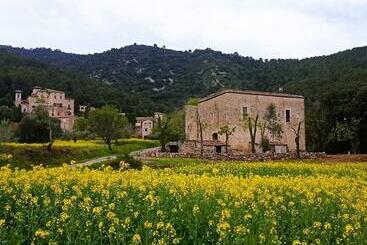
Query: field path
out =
(112, 157)
(95, 160)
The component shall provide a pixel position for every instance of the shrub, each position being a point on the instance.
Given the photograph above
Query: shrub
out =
(126, 158)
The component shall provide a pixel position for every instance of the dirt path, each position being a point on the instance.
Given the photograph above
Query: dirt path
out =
(96, 160)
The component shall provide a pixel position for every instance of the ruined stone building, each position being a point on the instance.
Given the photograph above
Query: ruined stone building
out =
(54, 101)
(144, 125)
(231, 107)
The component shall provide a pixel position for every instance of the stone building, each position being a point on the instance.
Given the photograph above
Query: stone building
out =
(231, 107)
(144, 125)
(54, 101)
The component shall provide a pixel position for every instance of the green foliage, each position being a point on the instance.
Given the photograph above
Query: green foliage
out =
(36, 127)
(348, 131)
(227, 131)
(170, 128)
(106, 123)
(26, 155)
(273, 124)
(193, 101)
(12, 114)
(6, 134)
(133, 163)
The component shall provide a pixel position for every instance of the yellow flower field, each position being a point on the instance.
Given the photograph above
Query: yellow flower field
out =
(227, 203)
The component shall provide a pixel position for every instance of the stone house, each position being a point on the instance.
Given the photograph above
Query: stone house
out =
(231, 107)
(55, 102)
(144, 125)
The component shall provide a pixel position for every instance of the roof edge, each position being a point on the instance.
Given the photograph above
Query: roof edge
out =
(250, 92)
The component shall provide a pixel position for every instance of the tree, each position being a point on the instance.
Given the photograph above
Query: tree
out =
(6, 133)
(170, 128)
(12, 114)
(177, 125)
(297, 130)
(264, 139)
(38, 127)
(251, 124)
(227, 131)
(272, 122)
(161, 130)
(347, 131)
(81, 129)
(106, 123)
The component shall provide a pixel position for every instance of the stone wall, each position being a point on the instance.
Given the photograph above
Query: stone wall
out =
(233, 157)
(228, 109)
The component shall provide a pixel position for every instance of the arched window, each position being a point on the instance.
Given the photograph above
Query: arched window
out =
(215, 136)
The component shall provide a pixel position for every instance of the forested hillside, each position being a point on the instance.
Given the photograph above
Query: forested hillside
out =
(142, 79)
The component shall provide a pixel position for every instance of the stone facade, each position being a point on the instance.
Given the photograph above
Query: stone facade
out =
(55, 102)
(144, 125)
(230, 107)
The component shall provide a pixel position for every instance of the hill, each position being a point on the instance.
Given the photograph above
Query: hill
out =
(142, 79)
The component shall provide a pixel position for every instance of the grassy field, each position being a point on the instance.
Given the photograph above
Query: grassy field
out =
(184, 201)
(26, 155)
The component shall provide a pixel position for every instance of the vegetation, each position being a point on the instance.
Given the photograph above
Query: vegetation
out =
(26, 155)
(273, 124)
(142, 79)
(38, 127)
(226, 203)
(251, 124)
(227, 131)
(169, 128)
(107, 124)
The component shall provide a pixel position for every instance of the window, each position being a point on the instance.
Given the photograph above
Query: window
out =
(146, 130)
(287, 115)
(215, 136)
(244, 112)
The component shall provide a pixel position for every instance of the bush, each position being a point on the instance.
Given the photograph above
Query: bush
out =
(126, 158)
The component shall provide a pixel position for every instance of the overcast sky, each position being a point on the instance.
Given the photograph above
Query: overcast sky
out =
(258, 28)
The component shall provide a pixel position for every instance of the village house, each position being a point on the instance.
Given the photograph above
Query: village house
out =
(55, 102)
(144, 125)
(232, 107)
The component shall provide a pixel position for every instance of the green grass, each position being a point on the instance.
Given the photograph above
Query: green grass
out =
(26, 155)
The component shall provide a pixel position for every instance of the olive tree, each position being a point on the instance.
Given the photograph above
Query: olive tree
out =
(106, 123)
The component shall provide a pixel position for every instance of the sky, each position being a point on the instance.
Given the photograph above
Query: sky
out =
(257, 28)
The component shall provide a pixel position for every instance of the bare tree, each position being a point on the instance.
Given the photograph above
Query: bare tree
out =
(201, 127)
(297, 132)
(251, 125)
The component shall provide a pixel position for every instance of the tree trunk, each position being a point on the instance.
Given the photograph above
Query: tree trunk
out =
(163, 145)
(108, 143)
(49, 146)
(227, 143)
(297, 147)
(296, 139)
(253, 133)
(51, 142)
